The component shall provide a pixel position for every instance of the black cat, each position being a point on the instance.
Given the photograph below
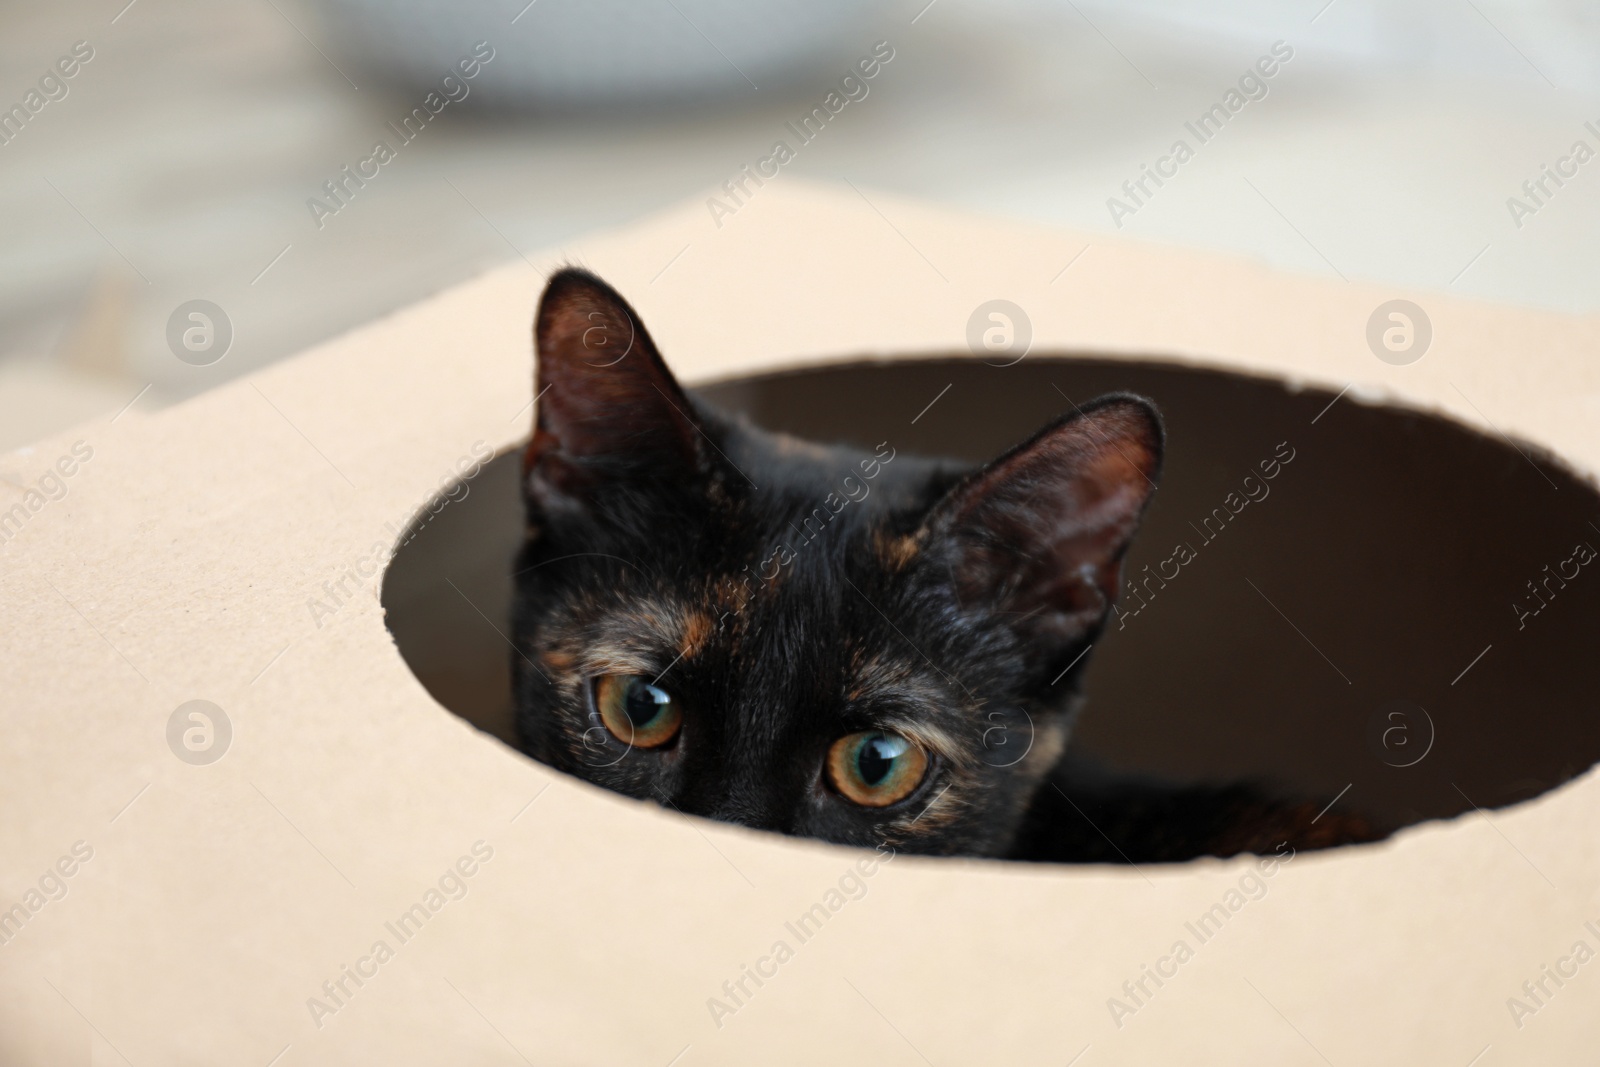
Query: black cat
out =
(866, 647)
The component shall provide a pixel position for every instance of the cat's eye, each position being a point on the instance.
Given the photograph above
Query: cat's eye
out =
(875, 768)
(635, 711)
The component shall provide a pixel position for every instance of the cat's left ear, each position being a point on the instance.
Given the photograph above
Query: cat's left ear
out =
(609, 411)
(1038, 536)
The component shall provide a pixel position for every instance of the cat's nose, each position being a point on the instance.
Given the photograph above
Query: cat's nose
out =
(748, 799)
(747, 809)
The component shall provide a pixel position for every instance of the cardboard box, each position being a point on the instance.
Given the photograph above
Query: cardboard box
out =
(363, 877)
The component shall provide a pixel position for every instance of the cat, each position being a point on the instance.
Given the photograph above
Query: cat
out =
(871, 648)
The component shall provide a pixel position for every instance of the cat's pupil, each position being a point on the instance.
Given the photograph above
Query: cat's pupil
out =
(877, 755)
(644, 702)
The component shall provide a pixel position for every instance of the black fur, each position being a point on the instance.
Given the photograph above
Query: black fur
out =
(788, 594)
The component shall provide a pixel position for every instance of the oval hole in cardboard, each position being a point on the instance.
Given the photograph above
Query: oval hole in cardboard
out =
(1384, 562)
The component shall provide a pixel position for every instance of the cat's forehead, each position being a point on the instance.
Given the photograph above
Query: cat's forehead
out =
(801, 619)
(816, 623)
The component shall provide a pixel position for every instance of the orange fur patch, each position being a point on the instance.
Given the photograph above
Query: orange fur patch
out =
(696, 628)
(895, 552)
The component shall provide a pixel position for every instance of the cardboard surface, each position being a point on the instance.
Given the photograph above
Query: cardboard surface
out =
(220, 898)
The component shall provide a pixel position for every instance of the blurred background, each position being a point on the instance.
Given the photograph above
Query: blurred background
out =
(176, 162)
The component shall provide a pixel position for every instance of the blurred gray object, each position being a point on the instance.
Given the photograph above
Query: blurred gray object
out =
(564, 53)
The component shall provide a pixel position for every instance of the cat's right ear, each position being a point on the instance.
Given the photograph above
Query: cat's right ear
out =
(608, 410)
(1038, 536)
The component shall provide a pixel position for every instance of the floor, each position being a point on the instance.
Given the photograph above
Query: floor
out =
(179, 163)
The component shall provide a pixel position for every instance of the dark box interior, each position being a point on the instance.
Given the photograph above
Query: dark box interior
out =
(1353, 627)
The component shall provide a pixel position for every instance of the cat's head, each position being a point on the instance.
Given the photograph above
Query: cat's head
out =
(866, 647)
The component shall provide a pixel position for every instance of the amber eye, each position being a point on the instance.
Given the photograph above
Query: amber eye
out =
(636, 712)
(875, 769)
